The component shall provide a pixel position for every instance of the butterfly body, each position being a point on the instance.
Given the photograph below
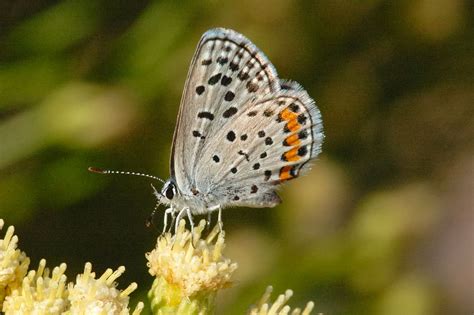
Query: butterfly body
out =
(241, 131)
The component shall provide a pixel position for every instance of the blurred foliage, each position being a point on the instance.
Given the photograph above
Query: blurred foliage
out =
(384, 224)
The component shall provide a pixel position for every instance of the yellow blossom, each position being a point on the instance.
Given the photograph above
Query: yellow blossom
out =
(189, 269)
(40, 293)
(13, 263)
(100, 296)
(43, 292)
(278, 307)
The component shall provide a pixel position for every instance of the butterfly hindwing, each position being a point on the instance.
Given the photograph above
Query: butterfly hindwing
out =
(270, 142)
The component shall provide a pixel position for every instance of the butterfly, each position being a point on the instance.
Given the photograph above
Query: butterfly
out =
(240, 133)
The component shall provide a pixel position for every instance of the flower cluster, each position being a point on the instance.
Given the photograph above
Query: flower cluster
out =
(189, 270)
(42, 291)
(13, 263)
(279, 307)
(192, 263)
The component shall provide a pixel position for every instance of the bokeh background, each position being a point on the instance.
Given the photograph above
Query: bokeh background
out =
(383, 224)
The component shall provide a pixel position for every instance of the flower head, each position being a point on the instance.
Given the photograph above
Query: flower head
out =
(100, 296)
(13, 263)
(279, 307)
(40, 292)
(191, 263)
(43, 292)
(189, 269)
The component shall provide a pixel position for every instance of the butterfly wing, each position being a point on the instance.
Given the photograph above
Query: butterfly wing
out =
(241, 131)
(226, 72)
(270, 141)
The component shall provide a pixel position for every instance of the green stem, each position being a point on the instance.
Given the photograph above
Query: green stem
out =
(167, 299)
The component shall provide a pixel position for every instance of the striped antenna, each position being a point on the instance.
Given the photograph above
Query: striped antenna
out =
(102, 171)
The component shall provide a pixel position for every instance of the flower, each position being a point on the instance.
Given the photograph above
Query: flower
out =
(100, 296)
(189, 269)
(39, 293)
(13, 263)
(43, 292)
(278, 307)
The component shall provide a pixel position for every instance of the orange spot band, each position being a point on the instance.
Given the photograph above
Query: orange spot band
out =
(285, 173)
(292, 155)
(288, 115)
(293, 140)
(293, 125)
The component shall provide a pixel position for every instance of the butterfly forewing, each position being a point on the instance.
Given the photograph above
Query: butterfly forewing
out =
(226, 72)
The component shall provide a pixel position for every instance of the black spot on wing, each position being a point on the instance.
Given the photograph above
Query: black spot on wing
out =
(229, 96)
(243, 76)
(303, 134)
(244, 154)
(222, 60)
(200, 89)
(214, 79)
(226, 80)
(268, 112)
(197, 134)
(231, 136)
(206, 115)
(251, 87)
(302, 119)
(267, 174)
(229, 112)
(294, 107)
(233, 66)
(302, 151)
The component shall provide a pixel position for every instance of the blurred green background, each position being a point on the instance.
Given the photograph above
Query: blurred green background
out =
(383, 224)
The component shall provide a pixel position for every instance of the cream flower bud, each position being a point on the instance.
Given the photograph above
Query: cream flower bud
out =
(189, 269)
(192, 267)
(278, 307)
(13, 263)
(100, 296)
(40, 293)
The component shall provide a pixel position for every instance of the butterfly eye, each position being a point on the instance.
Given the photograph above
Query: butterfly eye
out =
(170, 191)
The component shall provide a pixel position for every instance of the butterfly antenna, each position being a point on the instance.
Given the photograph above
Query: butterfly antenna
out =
(102, 171)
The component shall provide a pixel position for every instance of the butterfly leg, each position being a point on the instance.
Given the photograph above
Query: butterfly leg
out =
(219, 216)
(219, 219)
(209, 219)
(173, 216)
(191, 223)
(165, 220)
(178, 218)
